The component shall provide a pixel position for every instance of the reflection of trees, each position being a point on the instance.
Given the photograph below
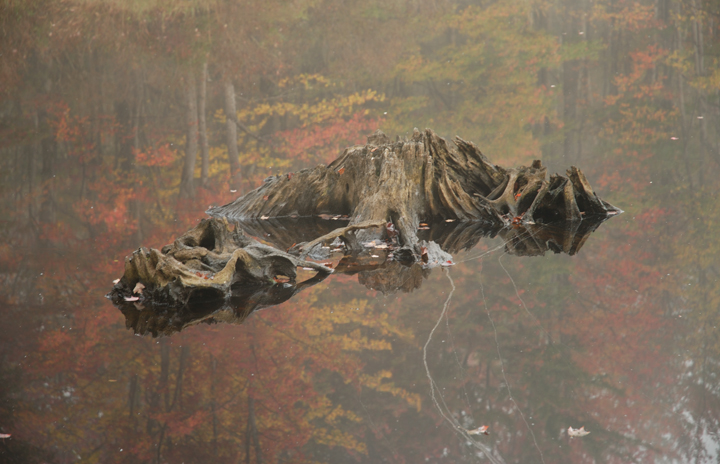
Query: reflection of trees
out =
(91, 155)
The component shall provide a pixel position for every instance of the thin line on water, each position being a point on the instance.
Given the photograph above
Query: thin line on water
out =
(517, 293)
(481, 446)
(502, 366)
(457, 360)
(433, 385)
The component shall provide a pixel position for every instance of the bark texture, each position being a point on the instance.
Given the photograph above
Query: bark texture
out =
(203, 264)
(422, 179)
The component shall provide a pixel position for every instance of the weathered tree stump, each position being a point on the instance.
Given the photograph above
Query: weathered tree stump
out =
(415, 200)
(421, 179)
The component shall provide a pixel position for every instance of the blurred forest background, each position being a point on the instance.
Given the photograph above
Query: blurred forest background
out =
(122, 121)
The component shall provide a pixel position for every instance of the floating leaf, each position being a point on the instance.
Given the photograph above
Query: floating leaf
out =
(577, 433)
(4, 435)
(483, 429)
(341, 171)
(424, 254)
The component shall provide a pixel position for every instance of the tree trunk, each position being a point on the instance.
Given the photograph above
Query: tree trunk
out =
(187, 185)
(48, 154)
(252, 434)
(231, 115)
(204, 146)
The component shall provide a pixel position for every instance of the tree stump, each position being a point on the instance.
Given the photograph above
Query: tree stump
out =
(416, 201)
(421, 179)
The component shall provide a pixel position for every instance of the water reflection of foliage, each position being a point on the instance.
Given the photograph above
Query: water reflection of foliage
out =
(200, 389)
(627, 99)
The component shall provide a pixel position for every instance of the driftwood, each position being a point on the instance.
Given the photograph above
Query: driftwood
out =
(395, 209)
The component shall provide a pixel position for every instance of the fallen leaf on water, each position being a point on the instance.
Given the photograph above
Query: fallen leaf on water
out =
(449, 220)
(264, 217)
(131, 298)
(233, 191)
(138, 288)
(577, 433)
(116, 281)
(374, 256)
(483, 429)
(341, 171)
(4, 435)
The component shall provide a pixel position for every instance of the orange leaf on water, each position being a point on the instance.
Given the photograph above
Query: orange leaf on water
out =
(483, 429)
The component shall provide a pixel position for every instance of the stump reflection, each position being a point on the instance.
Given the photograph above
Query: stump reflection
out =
(376, 267)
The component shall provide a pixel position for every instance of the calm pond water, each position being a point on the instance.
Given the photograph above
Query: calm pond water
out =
(103, 106)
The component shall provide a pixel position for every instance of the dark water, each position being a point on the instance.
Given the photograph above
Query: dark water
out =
(387, 364)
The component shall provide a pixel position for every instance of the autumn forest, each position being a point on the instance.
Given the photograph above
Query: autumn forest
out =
(121, 122)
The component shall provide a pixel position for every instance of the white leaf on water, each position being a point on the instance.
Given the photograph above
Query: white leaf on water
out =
(577, 433)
